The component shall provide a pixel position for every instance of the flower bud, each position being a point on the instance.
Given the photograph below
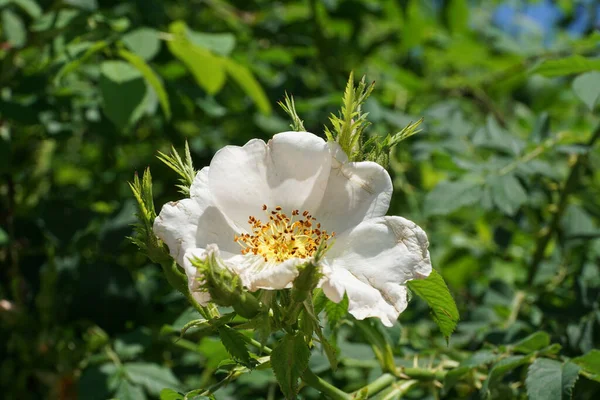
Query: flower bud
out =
(306, 281)
(225, 287)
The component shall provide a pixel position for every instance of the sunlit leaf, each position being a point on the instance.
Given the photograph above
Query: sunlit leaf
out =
(151, 78)
(566, 66)
(434, 291)
(207, 68)
(249, 85)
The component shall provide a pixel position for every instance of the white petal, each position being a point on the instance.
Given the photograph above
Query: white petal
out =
(356, 191)
(199, 189)
(290, 171)
(194, 279)
(256, 274)
(372, 262)
(194, 223)
(177, 226)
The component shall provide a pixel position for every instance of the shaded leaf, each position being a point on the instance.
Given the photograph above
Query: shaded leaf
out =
(143, 41)
(153, 377)
(587, 88)
(123, 92)
(533, 342)
(219, 43)
(31, 7)
(551, 380)
(74, 64)
(590, 364)
(447, 197)
(289, 360)
(500, 369)
(129, 391)
(235, 344)
(13, 29)
(507, 193)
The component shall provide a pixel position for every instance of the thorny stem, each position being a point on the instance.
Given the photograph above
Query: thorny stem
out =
(398, 390)
(548, 232)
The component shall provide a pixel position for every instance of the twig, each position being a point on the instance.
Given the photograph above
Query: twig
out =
(548, 232)
(323, 386)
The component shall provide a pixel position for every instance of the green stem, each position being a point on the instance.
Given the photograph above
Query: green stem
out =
(397, 390)
(423, 374)
(549, 231)
(379, 384)
(324, 387)
(258, 345)
(414, 374)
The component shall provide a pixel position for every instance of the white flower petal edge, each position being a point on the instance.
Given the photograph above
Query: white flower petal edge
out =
(256, 274)
(372, 262)
(290, 171)
(194, 222)
(356, 191)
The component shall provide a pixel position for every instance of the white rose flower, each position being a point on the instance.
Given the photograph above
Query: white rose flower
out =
(268, 206)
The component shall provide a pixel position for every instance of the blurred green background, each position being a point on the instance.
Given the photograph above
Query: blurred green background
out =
(504, 178)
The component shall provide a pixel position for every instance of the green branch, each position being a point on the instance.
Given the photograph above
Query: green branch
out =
(548, 232)
(323, 386)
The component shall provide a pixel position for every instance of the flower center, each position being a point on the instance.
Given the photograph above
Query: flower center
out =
(282, 237)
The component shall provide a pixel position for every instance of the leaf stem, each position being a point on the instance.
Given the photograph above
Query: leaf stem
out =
(548, 232)
(323, 386)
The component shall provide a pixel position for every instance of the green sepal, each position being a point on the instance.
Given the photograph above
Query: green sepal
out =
(226, 288)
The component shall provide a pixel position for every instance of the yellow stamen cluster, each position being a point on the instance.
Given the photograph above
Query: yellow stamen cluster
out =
(282, 237)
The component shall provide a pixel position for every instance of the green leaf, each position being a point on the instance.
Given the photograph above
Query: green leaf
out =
(219, 43)
(4, 238)
(74, 64)
(289, 360)
(123, 92)
(153, 377)
(566, 66)
(207, 69)
(129, 391)
(500, 369)
(13, 29)
(151, 78)
(457, 14)
(507, 192)
(436, 294)
(533, 342)
(448, 196)
(88, 5)
(551, 380)
(31, 7)
(336, 311)
(587, 88)
(235, 344)
(170, 394)
(590, 364)
(143, 41)
(249, 84)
